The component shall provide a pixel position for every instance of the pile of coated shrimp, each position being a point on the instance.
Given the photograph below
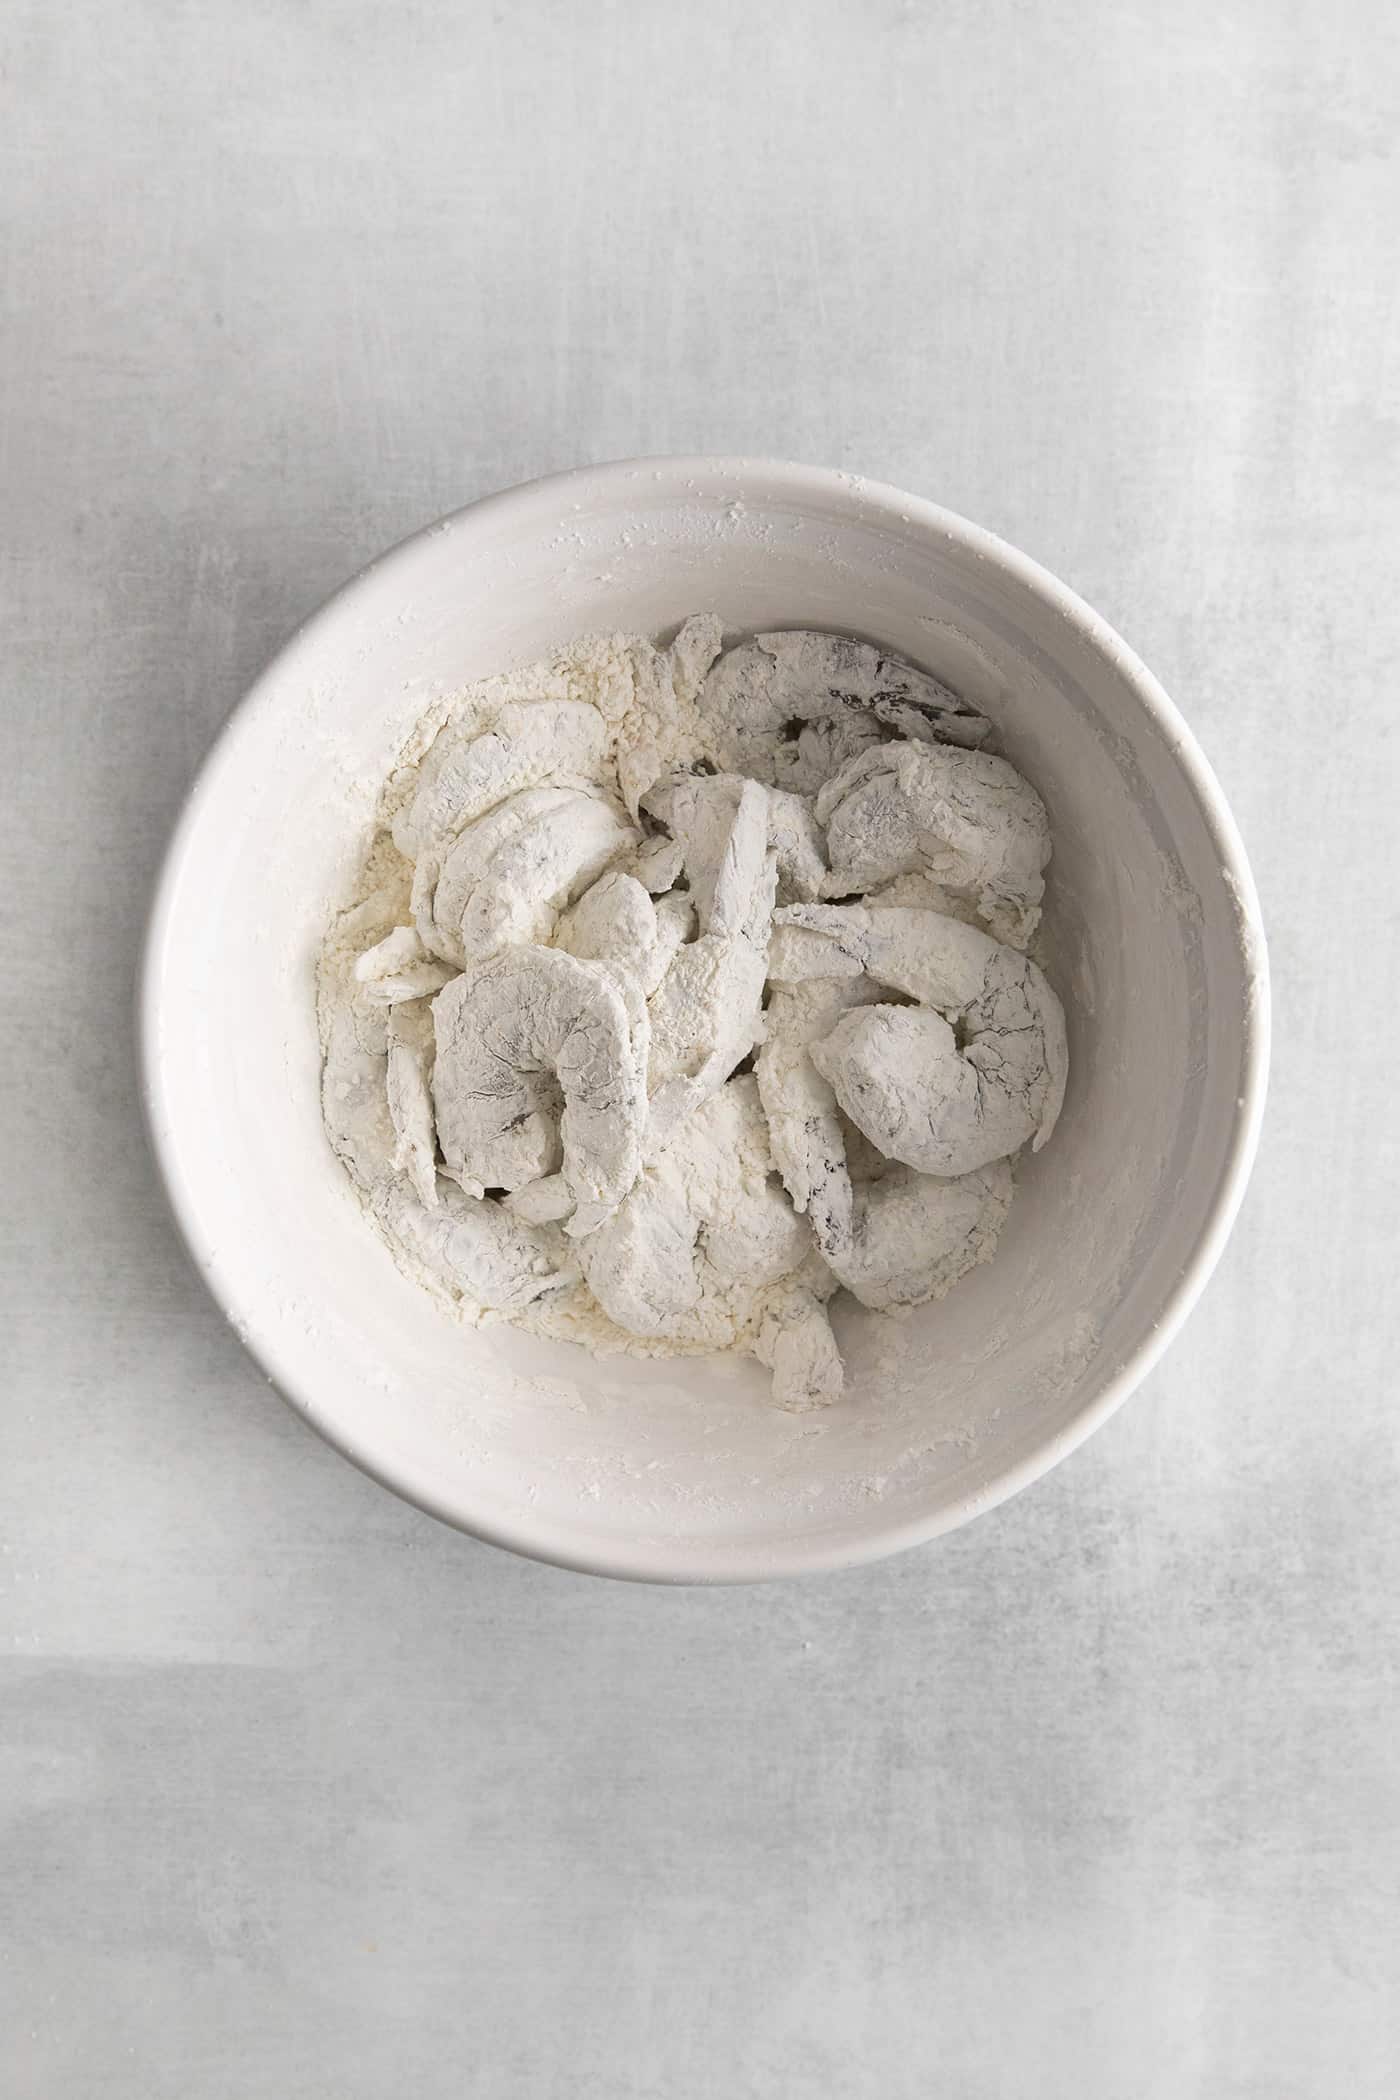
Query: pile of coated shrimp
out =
(699, 997)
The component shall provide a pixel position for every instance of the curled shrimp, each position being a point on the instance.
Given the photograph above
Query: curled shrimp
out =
(443, 883)
(898, 1240)
(789, 709)
(973, 1072)
(707, 1250)
(530, 880)
(541, 1066)
(966, 819)
(467, 770)
(914, 1235)
(703, 1221)
(473, 1249)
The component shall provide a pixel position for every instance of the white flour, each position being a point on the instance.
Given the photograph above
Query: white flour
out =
(594, 897)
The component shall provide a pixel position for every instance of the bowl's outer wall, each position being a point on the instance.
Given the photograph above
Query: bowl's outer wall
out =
(679, 1470)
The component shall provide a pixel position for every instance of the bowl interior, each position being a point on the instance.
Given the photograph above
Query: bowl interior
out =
(684, 1469)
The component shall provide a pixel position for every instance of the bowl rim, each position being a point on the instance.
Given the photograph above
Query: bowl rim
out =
(700, 1562)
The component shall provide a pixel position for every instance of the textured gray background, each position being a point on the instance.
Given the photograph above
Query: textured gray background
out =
(301, 1795)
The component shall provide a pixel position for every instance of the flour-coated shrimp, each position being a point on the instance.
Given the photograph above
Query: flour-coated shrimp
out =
(964, 818)
(971, 1074)
(705, 1249)
(541, 1067)
(790, 708)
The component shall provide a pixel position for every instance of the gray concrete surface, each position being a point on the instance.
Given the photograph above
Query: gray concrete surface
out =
(303, 1798)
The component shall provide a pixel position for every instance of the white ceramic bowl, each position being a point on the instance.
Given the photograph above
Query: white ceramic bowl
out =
(683, 1471)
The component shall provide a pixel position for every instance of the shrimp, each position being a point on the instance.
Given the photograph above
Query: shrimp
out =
(722, 828)
(943, 1102)
(898, 1240)
(466, 771)
(443, 885)
(617, 921)
(706, 1251)
(662, 724)
(795, 1341)
(707, 1012)
(703, 1223)
(804, 1126)
(789, 709)
(517, 1035)
(913, 1236)
(475, 1250)
(698, 809)
(964, 818)
(532, 878)
(506, 876)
